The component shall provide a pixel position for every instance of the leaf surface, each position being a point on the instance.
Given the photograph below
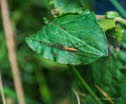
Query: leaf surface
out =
(68, 6)
(72, 39)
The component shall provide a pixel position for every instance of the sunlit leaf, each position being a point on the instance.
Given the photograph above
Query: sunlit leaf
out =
(107, 24)
(112, 14)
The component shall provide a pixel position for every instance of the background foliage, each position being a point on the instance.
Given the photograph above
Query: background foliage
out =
(47, 82)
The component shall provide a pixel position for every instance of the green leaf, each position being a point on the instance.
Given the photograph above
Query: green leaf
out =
(67, 6)
(112, 14)
(72, 39)
(116, 33)
(107, 24)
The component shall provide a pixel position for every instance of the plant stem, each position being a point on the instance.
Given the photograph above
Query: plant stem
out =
(77, 96)
(105, 94)
(117, 19)
(118, 7)
(11, 45)
(121, 20)
(43, 87)
(2, 91)
(84, 83)
(100, 16)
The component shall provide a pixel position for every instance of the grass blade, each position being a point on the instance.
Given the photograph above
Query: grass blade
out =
(1, 90)
(118, 7)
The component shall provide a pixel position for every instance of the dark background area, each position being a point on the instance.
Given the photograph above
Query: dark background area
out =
(102, 6)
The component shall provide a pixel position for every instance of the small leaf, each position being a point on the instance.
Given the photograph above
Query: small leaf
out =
(67, 6)
(72, 39)
(107, 24)
(112, 14)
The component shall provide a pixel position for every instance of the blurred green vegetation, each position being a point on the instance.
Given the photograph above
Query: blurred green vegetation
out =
(47, 82)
